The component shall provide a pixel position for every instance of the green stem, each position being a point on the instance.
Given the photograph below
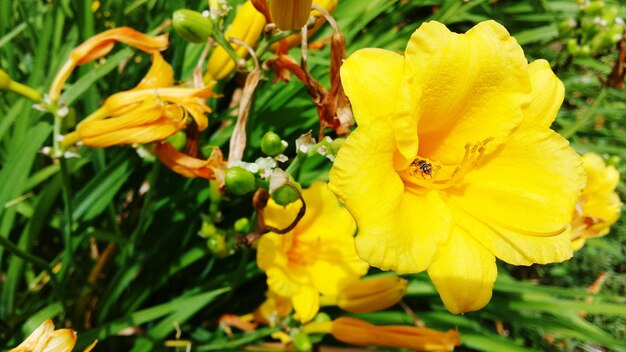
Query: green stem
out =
(223, 42)
(67, 218)
(295, 165)
(269, 40)
(36, 261)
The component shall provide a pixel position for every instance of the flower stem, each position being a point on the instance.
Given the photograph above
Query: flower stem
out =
(25, 91)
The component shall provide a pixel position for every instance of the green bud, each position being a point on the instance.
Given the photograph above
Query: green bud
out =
(572, 47)
(217, 245)
(566, 27)
(272, 144)
(585, 50)
(594, 8)
(613, 160)
(285, 195)
(208, 229)
(322, 317)
(239, 181)
(178, 140)
(242, 225)
(192, 26)
(301, 342)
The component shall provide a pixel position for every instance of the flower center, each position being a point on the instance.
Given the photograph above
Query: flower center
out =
(424, 172)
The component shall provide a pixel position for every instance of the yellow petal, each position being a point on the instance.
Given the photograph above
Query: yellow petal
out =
(466, 87)
(547, 95)
(371, 78)
(160, 74)
(372, 294)
(62, 340)
(306, 303)
(247, 26)
(36, 338)
(528, 188)
(463, 273)
(398, 229)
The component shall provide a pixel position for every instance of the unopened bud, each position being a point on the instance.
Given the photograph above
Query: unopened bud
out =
(239, 181)
(5, 80)
(290, 14)
(285, 194)
(192, 26)
(272, 144)
(178, 140)
(301, 342)
(217, 245)
(242, 225)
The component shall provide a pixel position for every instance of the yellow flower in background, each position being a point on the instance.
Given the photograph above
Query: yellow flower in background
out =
(361, 333)
(317, 256)
(599, 206)
(290, 14)
(213, 168)
(152, 111)
(454, 162)
(272, 309)
(46, 339)
(247, 26)
(100, 45)
(368, 295)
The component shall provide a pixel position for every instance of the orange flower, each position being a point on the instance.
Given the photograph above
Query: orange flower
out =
(99, 46)
(152, 111)
(212, 169)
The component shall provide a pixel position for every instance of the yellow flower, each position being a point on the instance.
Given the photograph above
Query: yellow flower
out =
(100, 45)
(152, 111)
(368, 295)
(454, 162)
(46, 339)
(290, 14)
(599, 206)
(361, 333)
(211, 169)
(274, 307)
(247, 26)
(317, 256)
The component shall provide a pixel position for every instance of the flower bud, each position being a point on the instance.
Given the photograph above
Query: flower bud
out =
(301, 342)
(272, 144)
(5, 80)
(285, 195)
(239, 181)
(208, 229)
(192, 26)
(217, 245)
(178, 140)
(242, 225)
(594, 8)
(371, 295)
(290, 14)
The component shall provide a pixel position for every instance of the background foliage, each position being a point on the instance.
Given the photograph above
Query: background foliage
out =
(160, 275)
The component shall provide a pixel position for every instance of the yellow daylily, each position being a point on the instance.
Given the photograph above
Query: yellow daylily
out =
(152, 111)
(317, 256)
(247, 26)
(290, 14)
(273, 308)
(599, 206)
(46, 339)
(368, 295)
(213, 168)
(100, 45)
(361, 333)
(454, 163)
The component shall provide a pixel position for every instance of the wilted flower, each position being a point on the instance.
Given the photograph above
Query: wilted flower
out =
(46, 339)
(454, 163)
(317, 256)
(152, 111)
(361, 333)
(100, 45)
(247, 26)
(213, 168)
(599, 206)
